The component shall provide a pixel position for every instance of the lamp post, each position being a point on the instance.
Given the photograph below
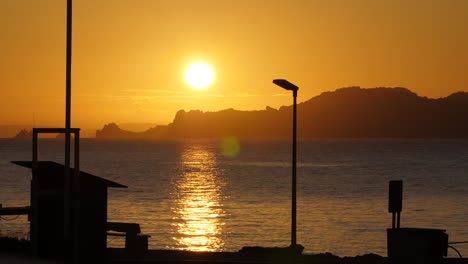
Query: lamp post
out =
(291, 87)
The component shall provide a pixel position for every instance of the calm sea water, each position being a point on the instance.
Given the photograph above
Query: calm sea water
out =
(189, 195)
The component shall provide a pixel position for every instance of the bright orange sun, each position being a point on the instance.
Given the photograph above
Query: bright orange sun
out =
(199, 75)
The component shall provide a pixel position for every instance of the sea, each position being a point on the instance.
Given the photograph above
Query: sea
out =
(222, 195)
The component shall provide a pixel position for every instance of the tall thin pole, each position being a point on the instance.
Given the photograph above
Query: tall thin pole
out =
(34, 197)
(293, 200)
(67, 181)
(291, 87)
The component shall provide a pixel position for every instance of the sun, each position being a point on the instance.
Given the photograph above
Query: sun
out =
(199, 75)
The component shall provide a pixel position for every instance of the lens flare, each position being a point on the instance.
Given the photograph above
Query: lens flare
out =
(230, 147)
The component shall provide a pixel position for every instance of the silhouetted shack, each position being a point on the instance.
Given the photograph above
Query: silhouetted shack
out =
(47, 212)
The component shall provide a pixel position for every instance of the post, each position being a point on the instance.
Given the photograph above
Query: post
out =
(76, 199)
(34, 196)
(398, 220)
(77, 153)
(67, 180)
(395, 201)
(293, 200)
(291, 87)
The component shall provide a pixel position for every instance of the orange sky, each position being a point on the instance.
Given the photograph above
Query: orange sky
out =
(129, 56)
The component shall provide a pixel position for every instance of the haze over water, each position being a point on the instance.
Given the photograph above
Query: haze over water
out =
(188, 195)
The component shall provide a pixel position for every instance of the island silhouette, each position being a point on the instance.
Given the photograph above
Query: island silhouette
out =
(351, 112)
(23, 134)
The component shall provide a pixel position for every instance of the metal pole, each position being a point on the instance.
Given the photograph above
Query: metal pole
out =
(67, 180)
(291, 87)
(293, 200)
(398, 220)
(34, 197)
(77, 154)
(76, 195)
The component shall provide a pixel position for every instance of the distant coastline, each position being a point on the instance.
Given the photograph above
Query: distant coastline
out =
(351, 112)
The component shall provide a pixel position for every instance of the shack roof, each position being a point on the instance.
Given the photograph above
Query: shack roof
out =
(56, 168)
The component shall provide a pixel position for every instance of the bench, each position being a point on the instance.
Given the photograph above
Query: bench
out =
(135, 241)
(23, 210)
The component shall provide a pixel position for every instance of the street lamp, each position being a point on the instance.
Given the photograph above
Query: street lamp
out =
(291, 87)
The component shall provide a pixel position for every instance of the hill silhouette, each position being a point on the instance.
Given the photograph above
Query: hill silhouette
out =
(347, 112)
(113, 131)
(23, 134)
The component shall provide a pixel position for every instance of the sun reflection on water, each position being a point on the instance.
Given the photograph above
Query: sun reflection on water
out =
(198, 210)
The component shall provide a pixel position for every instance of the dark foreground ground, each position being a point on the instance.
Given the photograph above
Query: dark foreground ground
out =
(186, 257)
(17, 251)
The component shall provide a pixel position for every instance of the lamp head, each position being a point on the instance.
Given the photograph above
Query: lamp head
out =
(286, 85)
